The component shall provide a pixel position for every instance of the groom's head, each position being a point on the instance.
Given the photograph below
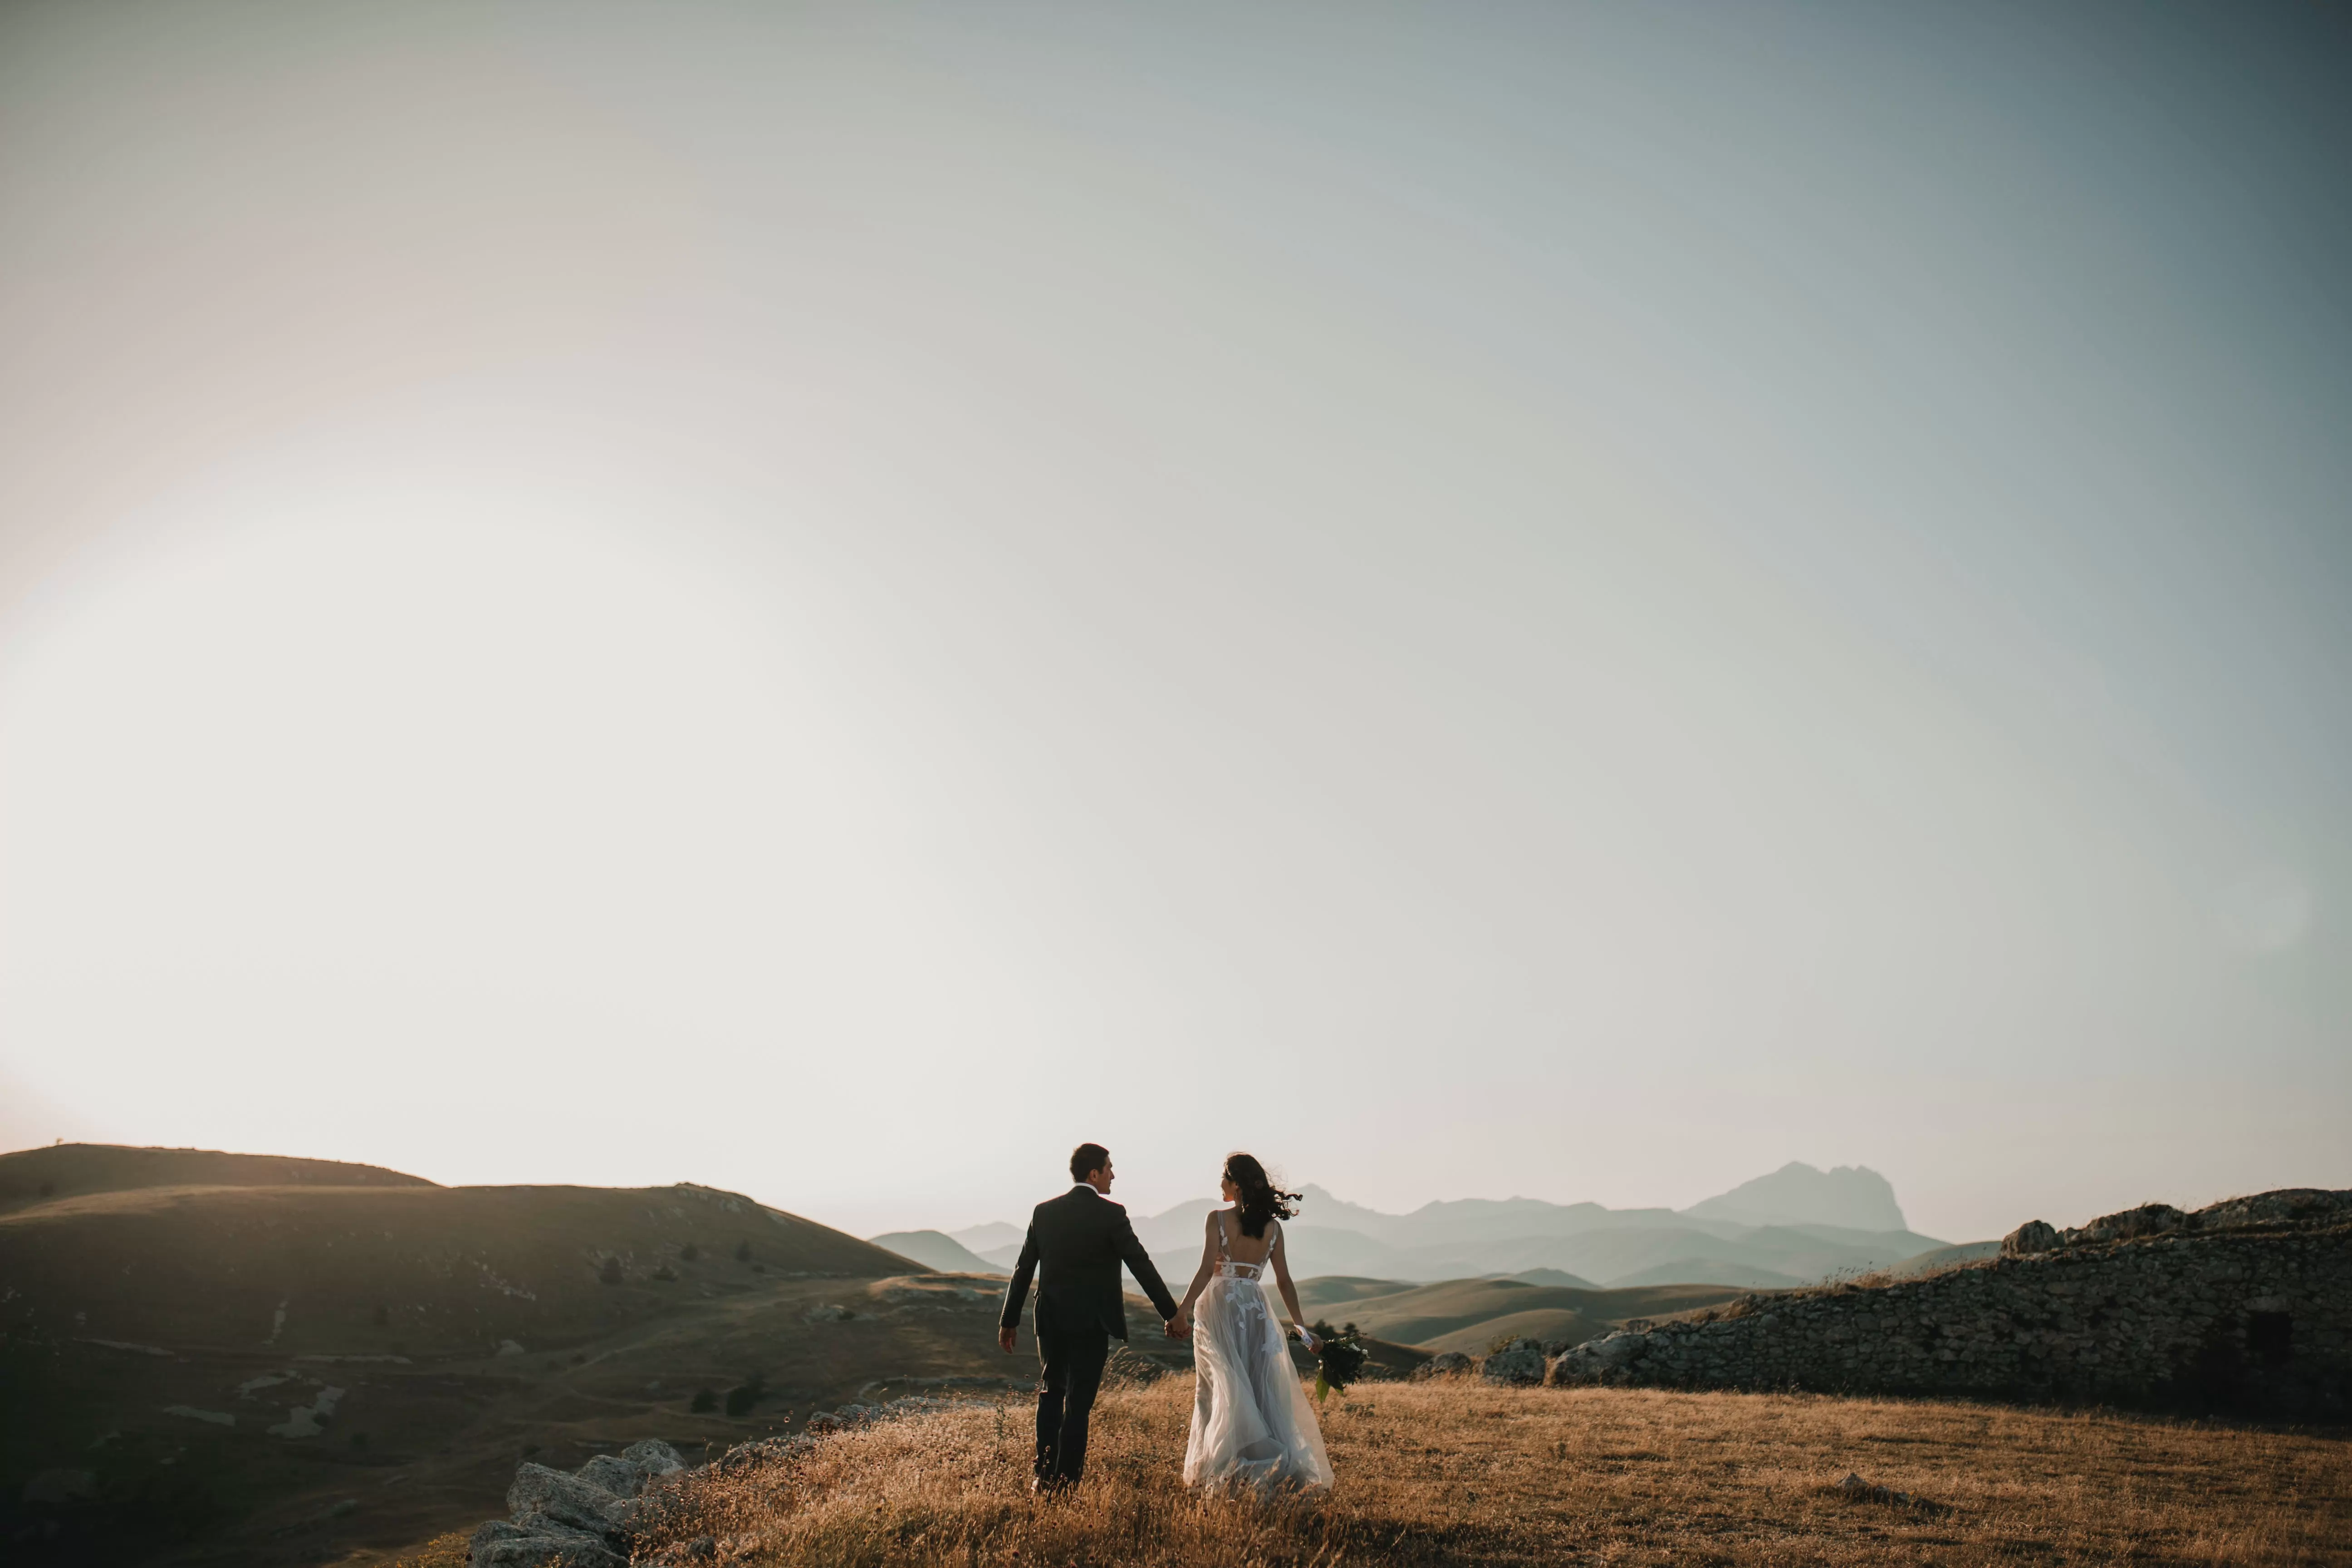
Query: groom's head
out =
(1090, 1164)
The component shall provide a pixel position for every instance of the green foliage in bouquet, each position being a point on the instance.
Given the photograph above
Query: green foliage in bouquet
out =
(1340, 1359)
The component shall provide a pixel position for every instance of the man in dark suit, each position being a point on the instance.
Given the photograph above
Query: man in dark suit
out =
(1081, 1238)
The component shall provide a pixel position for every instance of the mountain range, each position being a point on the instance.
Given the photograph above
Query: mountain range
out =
(1797, 1226)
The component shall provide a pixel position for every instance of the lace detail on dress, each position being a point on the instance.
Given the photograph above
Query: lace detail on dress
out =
(1232, 1269)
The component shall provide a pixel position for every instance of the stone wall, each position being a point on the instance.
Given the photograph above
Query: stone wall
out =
(2245, 1306)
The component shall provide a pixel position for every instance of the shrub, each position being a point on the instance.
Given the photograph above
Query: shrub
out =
(704, 1399)
(688, 1253)
(665, 1274)
(383, 1315)
(742, 1252)
(745, 1395)
(611, 1273)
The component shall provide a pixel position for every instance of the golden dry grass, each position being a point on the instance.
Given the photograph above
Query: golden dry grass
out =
(1461, 1473)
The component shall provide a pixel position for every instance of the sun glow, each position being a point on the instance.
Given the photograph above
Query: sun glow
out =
(344, 802)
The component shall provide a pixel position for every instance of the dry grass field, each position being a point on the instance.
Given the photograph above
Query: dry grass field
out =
(1461, 1473)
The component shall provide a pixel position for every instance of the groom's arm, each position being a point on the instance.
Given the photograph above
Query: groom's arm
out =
(1016, 1294)
(1147, 1274)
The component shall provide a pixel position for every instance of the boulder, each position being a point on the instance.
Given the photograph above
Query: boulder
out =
(614, 1474)
(539, 1544)
(540, 1493)
(1609, 1358)
(653, 1456)
(1520, 1362)
(2033, 1236)
(1444, 1363)
(2148, 1219)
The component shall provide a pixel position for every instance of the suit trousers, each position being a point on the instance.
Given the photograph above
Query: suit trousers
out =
(1073, 1360)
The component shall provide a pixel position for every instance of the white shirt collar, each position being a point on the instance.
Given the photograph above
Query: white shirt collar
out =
(1084, 1187)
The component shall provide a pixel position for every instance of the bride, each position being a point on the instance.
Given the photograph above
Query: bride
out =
(1252, 1428)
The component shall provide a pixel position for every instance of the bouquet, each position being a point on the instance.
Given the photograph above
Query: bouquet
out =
(1340, 1356)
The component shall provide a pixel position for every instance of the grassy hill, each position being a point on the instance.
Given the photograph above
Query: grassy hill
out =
(1469, 1314)
(290, 1372)
(1457, 1473)
(30, 1176)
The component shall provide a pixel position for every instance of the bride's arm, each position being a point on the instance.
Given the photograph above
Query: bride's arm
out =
(1201, 1275)
(1289, 1291)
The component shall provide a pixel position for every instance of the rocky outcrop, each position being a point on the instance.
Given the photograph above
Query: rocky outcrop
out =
(2287, 1207)
(1521, 1360)
(586, 1519)
(2246, 1305)
(598, 1515)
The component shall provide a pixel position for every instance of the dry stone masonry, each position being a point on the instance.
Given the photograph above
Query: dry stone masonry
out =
(2246, 1305)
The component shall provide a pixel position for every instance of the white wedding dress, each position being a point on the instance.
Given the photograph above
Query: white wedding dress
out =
(1253, 1428)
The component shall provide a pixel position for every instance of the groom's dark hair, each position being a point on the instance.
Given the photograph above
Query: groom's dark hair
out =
(1086, 1159)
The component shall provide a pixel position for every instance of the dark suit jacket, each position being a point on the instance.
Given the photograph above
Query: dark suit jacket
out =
(1080, 1239)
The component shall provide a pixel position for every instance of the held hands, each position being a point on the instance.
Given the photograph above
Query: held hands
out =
(1179, 1327)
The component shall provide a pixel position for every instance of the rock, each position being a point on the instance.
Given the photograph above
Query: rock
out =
(2288, 1205)
(653, 1456)
(540, 1493)
(1520, 1362)
(1604, 1360)
(2148, 1219)
(500, 1545)
(2033, 1236)
(1445, 1364)
(828, 1312)
(614, 1474)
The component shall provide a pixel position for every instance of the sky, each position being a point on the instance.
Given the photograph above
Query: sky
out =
(1576, 601)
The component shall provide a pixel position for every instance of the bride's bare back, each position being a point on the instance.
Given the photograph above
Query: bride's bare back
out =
(1238, 1246)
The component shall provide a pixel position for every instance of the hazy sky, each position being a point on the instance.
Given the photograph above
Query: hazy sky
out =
(1578, 601)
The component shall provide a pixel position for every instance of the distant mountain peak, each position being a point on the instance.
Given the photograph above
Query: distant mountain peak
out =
(1853, 1196)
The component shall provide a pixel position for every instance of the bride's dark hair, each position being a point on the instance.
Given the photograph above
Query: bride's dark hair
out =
(1260, 1199)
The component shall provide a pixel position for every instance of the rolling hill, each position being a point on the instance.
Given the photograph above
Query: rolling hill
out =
(936, 1249)
(31, 1176)
(291, 1371)
(1469, 1315)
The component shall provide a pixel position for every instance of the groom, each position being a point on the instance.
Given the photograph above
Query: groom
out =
(1081, 1238)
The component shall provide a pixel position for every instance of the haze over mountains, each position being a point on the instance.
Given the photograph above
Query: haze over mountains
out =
(1797, 1226)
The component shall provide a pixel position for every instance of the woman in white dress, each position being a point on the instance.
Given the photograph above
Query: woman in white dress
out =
(1253, 1428)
